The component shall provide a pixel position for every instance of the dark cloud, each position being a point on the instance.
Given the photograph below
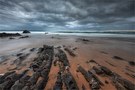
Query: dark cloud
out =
(67, 14)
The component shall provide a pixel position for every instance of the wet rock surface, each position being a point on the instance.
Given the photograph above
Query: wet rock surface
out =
(37, 75)
(41, 68)
(2, 35)
(26, 31)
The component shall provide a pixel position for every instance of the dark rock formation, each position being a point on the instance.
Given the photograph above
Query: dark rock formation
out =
(11, 38)
(11, 79)
(106, 71)
(85, 40)
(2, 78)
(98, 70)
(131, 75)
(19, 84)
(132, 63)
(91, 78)
(24, 37)
(117, 57)
(69, 81)
(9, 34)
(84, 73)
(41, 67)
(119, 82)
(63, 57)
(70, 51)
(34, 78)
(20, 59)
(32, 49)
(41, 84)
(95, 78)
(26, 31)
(92, 61)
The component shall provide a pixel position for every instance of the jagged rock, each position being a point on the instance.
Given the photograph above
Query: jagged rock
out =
(127, 84)
(6, 85)
(98, 70)
(19, 54)
(69, 82)
(41, 84)
(45, 72)
(10, 80)
(22, 82)
(106, 70)
(119, 82)
(24, 79)
(131, 75)
(14, 77)
(40, 50)
(63, 57)
(2, 78)
(32, 49)
(128, 69)
(95, 78)
(23, 73)
(91, 78)
(18, 85)
(20, 59)
(34, 66)
(86, 75)
(27, 88)
(34, 78)
(117, 85)
(69, 51)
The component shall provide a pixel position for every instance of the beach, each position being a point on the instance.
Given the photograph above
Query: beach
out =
(115, 53)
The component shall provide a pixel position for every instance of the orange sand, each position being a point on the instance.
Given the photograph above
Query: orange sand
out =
(84, 52)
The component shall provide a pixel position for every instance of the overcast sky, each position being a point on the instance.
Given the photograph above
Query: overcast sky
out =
(67, 14)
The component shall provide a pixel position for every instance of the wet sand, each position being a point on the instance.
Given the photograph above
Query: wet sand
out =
(101, 50)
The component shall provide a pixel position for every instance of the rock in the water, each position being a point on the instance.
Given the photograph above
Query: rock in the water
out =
(26, 31)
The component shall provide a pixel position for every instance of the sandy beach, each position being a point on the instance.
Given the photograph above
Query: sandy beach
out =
(117, 54)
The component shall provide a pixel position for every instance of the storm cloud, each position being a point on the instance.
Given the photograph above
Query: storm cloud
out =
(67, 14)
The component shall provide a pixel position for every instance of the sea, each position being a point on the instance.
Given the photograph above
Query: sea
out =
(90, 34)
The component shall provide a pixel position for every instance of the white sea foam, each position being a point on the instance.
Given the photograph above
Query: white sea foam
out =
(78, 34)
